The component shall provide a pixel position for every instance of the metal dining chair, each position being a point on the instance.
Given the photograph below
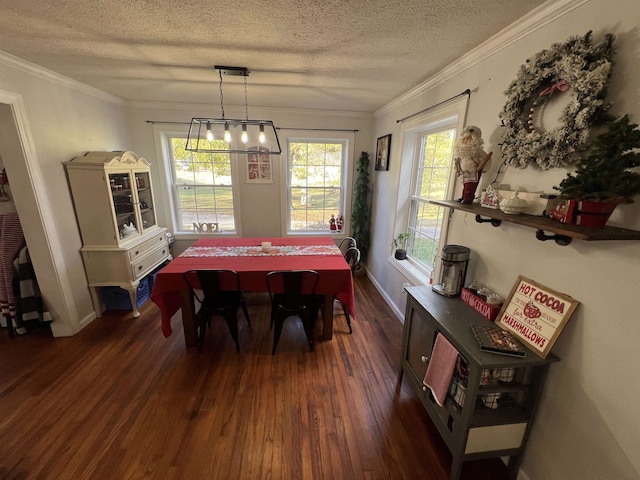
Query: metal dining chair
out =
(218, 293)
(293, 294)
(352, 257)
(346, 243)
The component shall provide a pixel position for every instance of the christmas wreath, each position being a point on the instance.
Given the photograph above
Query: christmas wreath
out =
(578, 65)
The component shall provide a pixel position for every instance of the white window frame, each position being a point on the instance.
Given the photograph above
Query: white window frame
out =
(163, 134)
(347, 139)
(449, 116)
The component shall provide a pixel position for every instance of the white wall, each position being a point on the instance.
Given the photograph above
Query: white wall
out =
(588, 425)
(45, 120)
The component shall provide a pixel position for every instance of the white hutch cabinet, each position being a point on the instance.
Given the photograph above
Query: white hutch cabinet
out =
(113, 200)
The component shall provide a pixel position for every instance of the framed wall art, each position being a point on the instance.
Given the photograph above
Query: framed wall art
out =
(535, 314)
(259, 165)
(383, 150)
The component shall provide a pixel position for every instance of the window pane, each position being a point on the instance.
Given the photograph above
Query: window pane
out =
(203, 188)
(315, 184)
(434, 166)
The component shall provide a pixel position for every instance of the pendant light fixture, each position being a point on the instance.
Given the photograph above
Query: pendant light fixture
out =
(219, 135)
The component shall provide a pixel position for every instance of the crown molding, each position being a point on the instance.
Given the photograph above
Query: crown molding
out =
(37, 71)
(536, 19)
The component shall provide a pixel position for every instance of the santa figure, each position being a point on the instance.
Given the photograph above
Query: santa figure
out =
(471, 160)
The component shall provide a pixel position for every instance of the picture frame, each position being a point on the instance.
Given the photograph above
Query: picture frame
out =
(536, 314)
(383, 151)
(259, 167)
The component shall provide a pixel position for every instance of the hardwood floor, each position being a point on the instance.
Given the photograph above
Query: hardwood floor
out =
(119, 401)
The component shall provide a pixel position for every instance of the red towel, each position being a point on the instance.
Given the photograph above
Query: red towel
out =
(440, 369)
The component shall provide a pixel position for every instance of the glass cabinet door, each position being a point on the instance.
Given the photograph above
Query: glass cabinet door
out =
(123, 196)
(145, 200)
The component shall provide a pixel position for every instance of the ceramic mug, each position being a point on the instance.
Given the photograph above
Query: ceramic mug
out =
(490, 400)
(504, 374)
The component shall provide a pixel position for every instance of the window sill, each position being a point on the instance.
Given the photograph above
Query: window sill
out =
(196, 235)
(413, 273)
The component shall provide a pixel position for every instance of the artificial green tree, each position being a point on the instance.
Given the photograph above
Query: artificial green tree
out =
(605, 174)
(360, 207)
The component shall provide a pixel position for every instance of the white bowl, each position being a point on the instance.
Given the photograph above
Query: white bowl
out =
(513, 205)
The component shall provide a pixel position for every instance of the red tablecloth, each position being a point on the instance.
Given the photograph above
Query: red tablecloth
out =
(252, 265)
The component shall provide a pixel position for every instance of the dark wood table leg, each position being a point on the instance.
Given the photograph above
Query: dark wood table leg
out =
(327, 317)
(189, 326)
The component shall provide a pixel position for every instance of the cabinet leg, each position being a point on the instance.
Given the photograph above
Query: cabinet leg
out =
(513, 466)
(97, 302)
(133, 296)
(456, 469)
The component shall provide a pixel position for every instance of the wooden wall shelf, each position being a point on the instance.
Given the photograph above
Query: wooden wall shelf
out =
(562, 232)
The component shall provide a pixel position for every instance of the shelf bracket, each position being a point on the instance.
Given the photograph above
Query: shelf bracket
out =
(559, 239)
(495, 222)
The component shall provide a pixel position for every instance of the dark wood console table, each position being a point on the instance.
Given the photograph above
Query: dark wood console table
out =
(492, 399)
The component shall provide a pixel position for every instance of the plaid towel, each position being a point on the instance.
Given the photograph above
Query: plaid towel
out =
(29, 302)
(11, 241)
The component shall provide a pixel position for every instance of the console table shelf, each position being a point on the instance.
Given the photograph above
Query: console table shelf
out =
(563, 233)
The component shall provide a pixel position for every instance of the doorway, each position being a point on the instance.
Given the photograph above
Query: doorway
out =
(35, 211)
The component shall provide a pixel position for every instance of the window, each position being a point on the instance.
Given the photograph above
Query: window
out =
(316, 178)
(433, 167)
(202, 189)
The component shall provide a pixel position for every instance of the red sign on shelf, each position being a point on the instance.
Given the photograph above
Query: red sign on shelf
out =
(487, 311)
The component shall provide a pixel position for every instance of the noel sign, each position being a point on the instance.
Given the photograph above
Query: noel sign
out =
(535, 314)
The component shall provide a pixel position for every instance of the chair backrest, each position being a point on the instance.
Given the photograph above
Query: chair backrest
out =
(292, 282)
(352, 257)
(346, 244)
(211, 282)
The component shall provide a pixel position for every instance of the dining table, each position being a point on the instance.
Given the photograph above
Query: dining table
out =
(252, 262)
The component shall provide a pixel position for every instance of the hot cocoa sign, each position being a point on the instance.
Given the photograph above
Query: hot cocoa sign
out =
(536, 314)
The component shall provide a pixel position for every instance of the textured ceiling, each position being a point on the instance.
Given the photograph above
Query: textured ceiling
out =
(328, 54)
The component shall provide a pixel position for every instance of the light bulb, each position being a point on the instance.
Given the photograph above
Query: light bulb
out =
(209, 132)
(227, 133)
(261, 137)
(244, 137)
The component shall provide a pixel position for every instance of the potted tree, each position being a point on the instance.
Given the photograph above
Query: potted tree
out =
(400, 244)
(360, 207)
(603, 178)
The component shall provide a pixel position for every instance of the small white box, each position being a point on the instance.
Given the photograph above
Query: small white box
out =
(490, 197)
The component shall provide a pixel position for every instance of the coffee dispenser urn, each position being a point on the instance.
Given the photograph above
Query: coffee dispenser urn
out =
(453, 270)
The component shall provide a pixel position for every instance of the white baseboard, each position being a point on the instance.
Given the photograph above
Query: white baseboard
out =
(393, 306)
(522, 475)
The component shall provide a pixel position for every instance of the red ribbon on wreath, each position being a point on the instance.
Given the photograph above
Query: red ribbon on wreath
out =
(560, 85)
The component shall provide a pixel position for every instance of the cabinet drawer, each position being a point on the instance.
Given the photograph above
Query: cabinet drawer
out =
(145, 247)
(145, 264)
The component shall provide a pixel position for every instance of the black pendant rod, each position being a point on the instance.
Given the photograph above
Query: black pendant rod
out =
(466, 92)
(320, 129)
(277, 128)
(160, 122)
